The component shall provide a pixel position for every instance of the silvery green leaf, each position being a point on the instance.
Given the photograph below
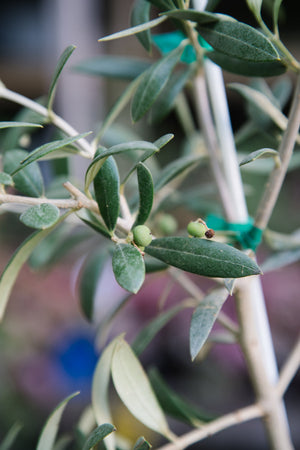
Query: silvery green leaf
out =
(133, 30)
(40, 216)
(145, 185)
(129, 267)
(47, 438)
(28, 181)
(98, 435)
(134, 389)
(60, 65)
(153, 81)
(140, 14)
(19, 124)
(261, 153)
(204, 317)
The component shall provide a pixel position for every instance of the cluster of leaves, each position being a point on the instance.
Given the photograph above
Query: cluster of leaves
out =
(154, 88)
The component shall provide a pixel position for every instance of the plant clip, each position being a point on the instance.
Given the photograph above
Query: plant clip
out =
(246, 234)
(166, 42)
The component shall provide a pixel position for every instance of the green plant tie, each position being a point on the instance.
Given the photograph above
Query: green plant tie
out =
(247, 234)
(167, 42)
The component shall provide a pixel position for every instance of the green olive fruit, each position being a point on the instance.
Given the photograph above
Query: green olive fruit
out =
(196, 229)
(167, 224)
(142, 235)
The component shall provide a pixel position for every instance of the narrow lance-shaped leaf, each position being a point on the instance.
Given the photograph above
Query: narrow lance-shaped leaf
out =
(100, 387)
(29, 181)
(46, 151)
(159, 144)
(262, 153)
(104, 153)
(129, 267)
(60, 65)
(193, 15)
(89, 279)
(203, 319)
(141, 14)
(262, 102)
(230, 37)
(107, 192)
(9, 439)
(112, 66)
(142, 444)
(163, 140)
(93, 221)
(19, 124)
(98, 435)
(174, 405)
(247, 68)
(203, 257)
(153, 82)
(150, 330)
(145, 183)
(238, 40)
(133, 30)
(14, 265)
(134, 389)
(13, 135)
(174, 169)
(40, 216)
(49, 432)
(167, 97)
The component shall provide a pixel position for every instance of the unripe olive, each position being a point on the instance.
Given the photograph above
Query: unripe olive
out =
(142, 235)
(196, 229)
(167, 224)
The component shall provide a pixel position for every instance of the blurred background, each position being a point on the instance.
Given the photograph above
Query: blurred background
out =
(47, 348)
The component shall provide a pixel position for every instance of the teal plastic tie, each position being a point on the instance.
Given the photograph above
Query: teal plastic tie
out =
(167, 42)
(248, 235)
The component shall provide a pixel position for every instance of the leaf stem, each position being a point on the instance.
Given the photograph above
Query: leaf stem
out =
(87, 150)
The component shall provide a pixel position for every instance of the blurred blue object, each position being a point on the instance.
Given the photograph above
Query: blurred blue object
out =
(75, 357)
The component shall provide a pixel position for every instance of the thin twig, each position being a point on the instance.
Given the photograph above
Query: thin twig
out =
(20, 200)
(277, 176)
(289, 369)
(82, 199)
(213, 427)
(53, 118)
